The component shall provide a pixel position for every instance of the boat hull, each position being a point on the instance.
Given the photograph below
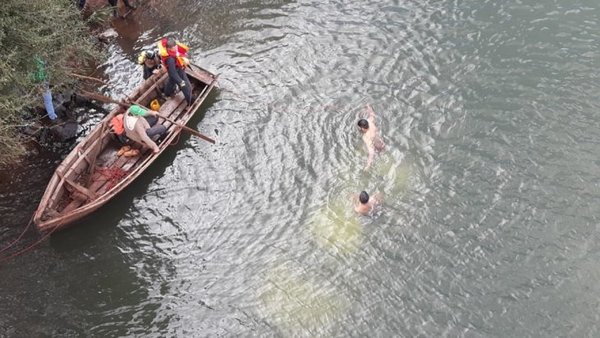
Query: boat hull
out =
(94, 173)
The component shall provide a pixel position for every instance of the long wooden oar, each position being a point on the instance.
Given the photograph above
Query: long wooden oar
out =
(107, 99)
(192, 131)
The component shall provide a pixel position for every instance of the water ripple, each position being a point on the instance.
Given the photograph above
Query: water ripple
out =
(488, 111)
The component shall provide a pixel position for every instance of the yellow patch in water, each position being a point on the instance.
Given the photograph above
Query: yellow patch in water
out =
(337, 227)
(395, 175)
(401, 179)
(298, 306)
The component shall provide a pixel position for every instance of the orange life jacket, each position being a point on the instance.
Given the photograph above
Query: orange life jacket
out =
(116, 124)
(180, 53)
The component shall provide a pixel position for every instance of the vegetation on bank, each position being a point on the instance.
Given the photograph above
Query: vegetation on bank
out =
(48, 30)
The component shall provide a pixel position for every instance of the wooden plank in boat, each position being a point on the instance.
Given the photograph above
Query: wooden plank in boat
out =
(175, 108)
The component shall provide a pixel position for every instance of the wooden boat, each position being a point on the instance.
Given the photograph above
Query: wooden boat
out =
(93, 172)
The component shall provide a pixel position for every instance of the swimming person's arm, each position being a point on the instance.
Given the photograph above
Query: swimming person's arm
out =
(371, 117)
(370, 111)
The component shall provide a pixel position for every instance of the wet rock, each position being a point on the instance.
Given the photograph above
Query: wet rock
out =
(43, 136)
(32, 130)
(108, 35)
(61, 111)
(63, 98)
(79, 100)
(64, 131)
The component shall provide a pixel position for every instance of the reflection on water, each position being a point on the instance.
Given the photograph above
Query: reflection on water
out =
(488, 110)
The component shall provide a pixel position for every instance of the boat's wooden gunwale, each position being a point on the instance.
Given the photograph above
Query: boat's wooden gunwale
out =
(74, 161)
(205, 80)
(85, 146)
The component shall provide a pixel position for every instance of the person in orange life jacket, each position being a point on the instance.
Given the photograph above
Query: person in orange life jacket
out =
(150, 62)
(142, 130)
(173, 55)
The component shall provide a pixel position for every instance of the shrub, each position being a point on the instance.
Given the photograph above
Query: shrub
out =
(51, 30)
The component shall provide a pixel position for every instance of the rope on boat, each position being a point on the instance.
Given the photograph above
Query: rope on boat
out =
(18, 253)
(20, 236)
(113, 175)
(175, 141)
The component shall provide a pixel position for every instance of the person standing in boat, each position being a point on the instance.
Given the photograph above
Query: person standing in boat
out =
(150, 62)
(173, 55)
(371, 135)
(140, 125)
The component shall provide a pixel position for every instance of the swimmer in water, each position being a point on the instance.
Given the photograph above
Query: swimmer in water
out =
(364, 204)
(371, 135)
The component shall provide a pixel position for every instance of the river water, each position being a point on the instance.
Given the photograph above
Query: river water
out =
(490, 180)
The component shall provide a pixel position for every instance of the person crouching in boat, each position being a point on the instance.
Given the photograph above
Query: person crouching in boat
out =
(140, 125)
(173, 55)
(150, 62)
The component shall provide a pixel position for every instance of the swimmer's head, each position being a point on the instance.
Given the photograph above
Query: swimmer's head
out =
(363, 197)
(363, 124)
